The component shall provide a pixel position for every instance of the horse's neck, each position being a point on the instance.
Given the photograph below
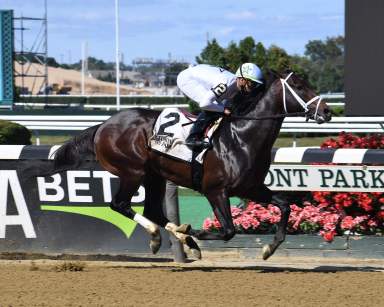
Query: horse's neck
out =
(269, 105)
(257, 134)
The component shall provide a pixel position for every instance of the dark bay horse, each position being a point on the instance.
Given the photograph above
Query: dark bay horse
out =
(235, 166)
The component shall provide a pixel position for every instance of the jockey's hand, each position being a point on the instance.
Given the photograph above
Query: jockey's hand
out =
(227, 112)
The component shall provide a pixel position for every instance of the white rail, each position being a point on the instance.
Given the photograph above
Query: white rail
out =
(292, 125)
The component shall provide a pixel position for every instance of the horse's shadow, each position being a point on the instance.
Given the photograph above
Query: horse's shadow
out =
(282, 269)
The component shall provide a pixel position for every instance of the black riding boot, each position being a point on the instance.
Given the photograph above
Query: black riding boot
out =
(195, 138)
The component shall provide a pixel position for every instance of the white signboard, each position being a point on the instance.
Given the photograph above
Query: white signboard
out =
(359, 178)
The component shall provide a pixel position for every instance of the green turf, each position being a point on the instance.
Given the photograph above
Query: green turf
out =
(300, 141)
(195, 209)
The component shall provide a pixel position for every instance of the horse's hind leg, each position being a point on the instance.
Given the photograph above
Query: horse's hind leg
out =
(154, 194)
(279, 238)
(121, 203)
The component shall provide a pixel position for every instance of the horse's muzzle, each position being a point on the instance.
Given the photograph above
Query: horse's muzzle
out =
(323, 117)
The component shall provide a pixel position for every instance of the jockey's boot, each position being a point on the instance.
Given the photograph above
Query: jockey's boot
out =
(196, 135)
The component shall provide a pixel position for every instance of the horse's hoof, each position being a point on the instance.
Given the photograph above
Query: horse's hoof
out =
(195, 249)
(183, 228)
(155, 243)
(266, 251)
(196, 253)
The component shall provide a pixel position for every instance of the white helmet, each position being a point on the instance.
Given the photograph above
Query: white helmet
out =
(250, 71)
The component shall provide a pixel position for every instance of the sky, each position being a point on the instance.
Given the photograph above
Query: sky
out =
(179, 28)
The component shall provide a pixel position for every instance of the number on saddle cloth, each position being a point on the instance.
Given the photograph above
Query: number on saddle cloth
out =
(171, 129)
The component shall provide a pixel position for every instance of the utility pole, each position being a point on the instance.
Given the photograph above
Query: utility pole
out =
(84, 57)
(22, 53)
(46, 50)
(117, 55)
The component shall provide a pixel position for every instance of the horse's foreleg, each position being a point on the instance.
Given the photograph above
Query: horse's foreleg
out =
(279, 238)
(221, 207)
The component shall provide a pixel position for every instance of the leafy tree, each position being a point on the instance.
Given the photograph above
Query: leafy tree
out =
(212, 54)
(325, 69)
(232, 57)
(277, 59)
(322, 63)
(260, 57)
(247, 48)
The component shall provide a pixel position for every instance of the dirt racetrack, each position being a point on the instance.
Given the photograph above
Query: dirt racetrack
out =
(223, 282)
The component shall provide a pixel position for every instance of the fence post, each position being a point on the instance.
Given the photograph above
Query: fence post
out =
(37, 136)
(171, 210)
(294, 141)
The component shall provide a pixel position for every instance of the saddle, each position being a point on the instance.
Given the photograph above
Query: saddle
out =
(171, 129)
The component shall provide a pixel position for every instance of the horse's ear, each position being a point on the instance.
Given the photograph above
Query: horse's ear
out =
(287, 71)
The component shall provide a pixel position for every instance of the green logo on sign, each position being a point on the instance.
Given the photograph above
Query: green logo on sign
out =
(102, 213)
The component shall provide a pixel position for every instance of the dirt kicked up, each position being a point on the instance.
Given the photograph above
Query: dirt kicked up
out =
(101, 283)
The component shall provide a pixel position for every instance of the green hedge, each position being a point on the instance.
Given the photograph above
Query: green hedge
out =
(14, 134)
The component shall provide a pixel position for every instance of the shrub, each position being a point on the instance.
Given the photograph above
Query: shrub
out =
(14, 134)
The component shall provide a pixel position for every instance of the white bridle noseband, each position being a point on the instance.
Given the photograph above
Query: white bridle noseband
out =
(304, 104)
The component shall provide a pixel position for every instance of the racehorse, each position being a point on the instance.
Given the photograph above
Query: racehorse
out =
(236, 165)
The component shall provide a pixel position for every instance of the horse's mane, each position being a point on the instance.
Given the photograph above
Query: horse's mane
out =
(243, 104)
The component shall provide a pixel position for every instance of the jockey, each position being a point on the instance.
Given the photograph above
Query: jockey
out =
(213, 88)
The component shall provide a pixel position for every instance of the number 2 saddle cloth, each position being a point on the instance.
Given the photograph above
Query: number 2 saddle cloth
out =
(170, 131)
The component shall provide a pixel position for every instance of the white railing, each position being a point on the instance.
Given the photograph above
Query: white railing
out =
(336, 125)
(292, 125)
(333, 99)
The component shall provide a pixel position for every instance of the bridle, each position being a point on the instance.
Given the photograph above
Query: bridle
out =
(284, 83)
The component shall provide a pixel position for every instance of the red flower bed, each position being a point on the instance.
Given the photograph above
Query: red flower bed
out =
(328, 213)
(347, 140)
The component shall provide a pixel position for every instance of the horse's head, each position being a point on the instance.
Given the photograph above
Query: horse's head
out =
(299, 97)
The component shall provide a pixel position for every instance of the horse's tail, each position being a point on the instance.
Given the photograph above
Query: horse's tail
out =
(70, 155)
(76, 151)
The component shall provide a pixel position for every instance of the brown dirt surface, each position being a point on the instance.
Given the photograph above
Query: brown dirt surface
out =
(215, 281)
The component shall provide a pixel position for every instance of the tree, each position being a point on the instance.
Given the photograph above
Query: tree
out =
(247, 49)
(322, 63)
(232, 57)
(277, 59)
(212, 54)
(260, 57)
(326, 68)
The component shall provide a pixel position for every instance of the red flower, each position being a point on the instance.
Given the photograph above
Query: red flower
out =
(347, 223)
(328, 235)
(380, 215)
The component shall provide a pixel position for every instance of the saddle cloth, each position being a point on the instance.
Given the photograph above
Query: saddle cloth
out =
(169, 135)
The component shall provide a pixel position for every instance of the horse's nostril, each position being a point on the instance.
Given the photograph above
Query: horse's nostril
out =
(326, 111)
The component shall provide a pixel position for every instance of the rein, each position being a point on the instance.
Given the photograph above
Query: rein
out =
(277, 116)
(269, 117)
